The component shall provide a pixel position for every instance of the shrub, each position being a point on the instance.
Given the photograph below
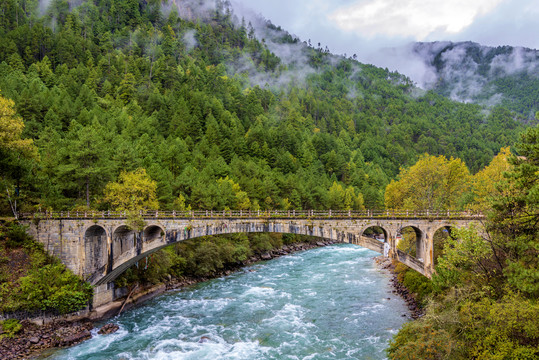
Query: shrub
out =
(16, 235)
(11, 327)
(420, 341)
(416, 283)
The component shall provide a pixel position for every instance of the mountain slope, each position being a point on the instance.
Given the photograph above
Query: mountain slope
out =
(470, 72)
(222, 113)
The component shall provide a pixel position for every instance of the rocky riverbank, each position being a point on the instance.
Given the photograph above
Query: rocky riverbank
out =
(32, 339)
(415, 310)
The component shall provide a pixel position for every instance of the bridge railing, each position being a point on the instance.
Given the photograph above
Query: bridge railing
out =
(254, 214)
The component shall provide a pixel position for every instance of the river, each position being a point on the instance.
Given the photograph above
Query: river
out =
(326, 303)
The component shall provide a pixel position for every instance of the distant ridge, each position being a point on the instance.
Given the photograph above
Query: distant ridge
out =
(470, 72)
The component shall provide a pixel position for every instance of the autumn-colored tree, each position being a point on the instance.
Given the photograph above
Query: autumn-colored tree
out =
(484, 183)
(133, 191)
(433, 183)
(231, 195)
(11, 128)
(12, 148)
(341, 199)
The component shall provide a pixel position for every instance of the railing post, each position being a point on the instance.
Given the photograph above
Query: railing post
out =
(258, 213)
(329, 212)
(241, 213)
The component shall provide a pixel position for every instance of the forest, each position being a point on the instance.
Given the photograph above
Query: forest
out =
(209, 113)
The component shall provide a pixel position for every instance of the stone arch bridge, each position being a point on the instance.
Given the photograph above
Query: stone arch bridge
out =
(101, 246)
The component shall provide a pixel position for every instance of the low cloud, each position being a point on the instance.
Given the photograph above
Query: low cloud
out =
(189, 40)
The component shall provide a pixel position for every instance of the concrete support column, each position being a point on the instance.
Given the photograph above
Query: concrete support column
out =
(139, 242)
(420, 247)
(110, 251)
(392, 245)
(103, 294)
(428, 259)
(391, 233)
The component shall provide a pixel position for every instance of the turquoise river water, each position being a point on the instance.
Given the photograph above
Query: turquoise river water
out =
(326, 303)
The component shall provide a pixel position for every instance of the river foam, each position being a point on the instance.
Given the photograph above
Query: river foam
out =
(325, 303)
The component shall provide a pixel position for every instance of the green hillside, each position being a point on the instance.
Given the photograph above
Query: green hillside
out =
(505, 76)
(215, 117)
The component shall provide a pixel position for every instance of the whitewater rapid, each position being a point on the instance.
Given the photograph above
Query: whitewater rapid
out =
(326, 303)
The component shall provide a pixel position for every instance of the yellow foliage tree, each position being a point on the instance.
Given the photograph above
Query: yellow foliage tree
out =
(484, 183)
(231, 194)
(341, 199)
(433, 183)
(12, 148)
(133, 191)
(179, 203)
(11, 127)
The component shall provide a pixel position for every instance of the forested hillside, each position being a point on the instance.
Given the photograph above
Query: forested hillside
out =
(188, 96)
(469, 72)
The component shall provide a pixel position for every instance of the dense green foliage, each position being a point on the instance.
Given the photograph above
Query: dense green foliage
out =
(110, 86)
(31, 280)
(205, 257)
(486, 286)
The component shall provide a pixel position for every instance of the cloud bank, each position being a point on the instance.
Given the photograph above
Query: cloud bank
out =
(410, 18)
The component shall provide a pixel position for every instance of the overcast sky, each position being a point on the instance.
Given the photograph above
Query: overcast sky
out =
(363, 27)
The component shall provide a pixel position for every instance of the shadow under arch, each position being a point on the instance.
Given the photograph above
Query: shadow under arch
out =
(410, 241)
(124, 239)
(375, 232)
(439, 239)
(152, 233)
(95, 249)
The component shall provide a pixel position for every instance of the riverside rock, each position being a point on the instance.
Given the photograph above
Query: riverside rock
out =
(108, 329)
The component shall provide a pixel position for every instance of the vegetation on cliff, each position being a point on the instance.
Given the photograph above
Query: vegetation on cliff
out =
(32, 281)
(484, 295)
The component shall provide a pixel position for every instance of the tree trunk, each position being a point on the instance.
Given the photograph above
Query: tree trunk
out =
(87, 190)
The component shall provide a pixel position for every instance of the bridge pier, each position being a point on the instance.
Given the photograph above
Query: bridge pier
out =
(103, 294)
(428, 254)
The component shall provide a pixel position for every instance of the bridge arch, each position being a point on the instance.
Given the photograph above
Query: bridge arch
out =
(411, 239)
(439, 238)
(124, 239)
(95, 250)
(376, 227)
(153, 232)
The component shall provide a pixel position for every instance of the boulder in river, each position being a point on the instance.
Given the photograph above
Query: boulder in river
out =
(108, 329)
(75, 338)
